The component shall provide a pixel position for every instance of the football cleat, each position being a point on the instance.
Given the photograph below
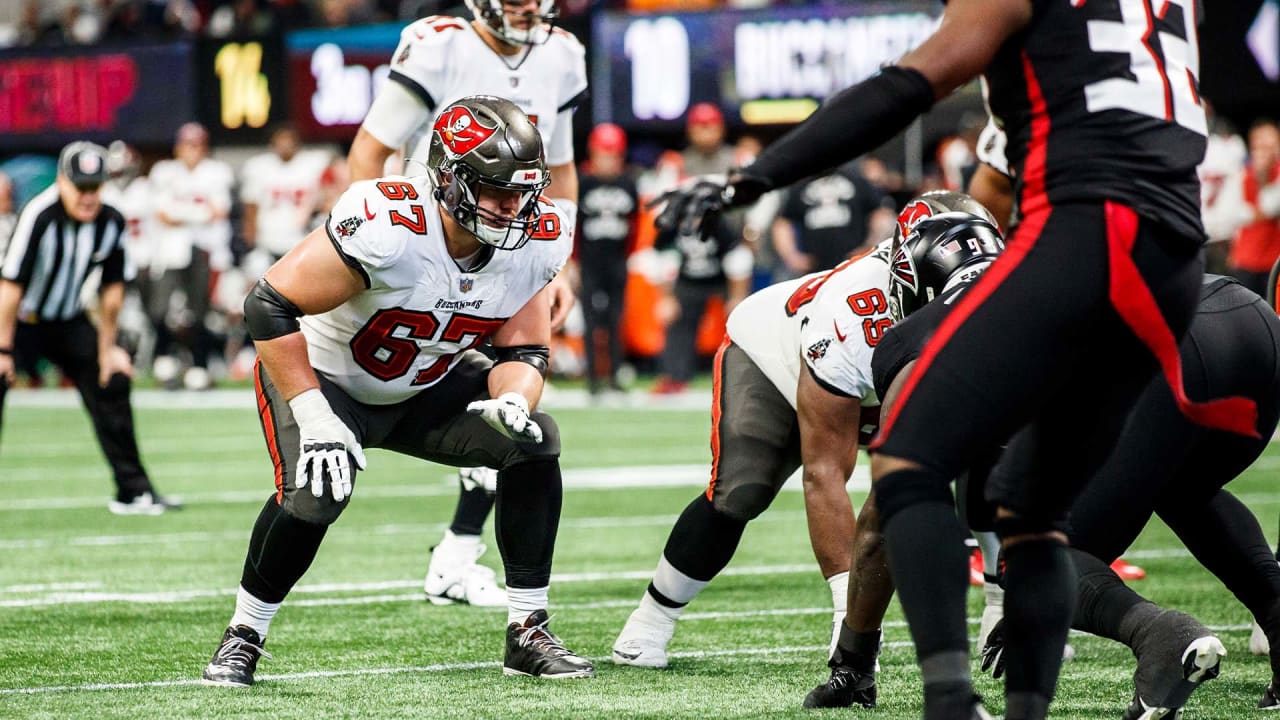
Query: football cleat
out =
(643, 642)
(236, 659)
(145, 504)
(1127, 570)
(845, 688)
(535, 651)
(1175, 654)
(454, 578)
(1271, 698)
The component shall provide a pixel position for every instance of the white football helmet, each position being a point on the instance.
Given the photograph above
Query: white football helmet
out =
(493, 15)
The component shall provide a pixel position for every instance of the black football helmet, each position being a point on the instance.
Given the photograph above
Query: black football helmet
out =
(485, 140)
(493, 15)
(942, 239)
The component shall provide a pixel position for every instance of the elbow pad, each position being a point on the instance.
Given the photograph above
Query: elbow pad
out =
(269, 314)
(537, 356)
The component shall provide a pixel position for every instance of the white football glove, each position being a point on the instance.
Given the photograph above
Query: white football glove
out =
(509, 415)
(479, 477)
(326, 442)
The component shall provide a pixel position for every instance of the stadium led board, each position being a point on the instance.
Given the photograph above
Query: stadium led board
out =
(772, 65)
(334, 76)
(52, 96)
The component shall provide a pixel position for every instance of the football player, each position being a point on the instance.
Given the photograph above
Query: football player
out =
(790, 380)
(511, 49)
(365, 332)
(280, 190)
(1105, 132)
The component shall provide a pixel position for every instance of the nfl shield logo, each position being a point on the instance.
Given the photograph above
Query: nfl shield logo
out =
(465, 284)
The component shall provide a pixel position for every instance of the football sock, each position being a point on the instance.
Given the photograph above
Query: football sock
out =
(253, 612)
(701, 543)
(473, 509)
(522, 602)
(281, 549)
(989, 543)
(453, 545)
(527, 520)
(1040, 599)
(839, 584)
(672, 589)
(1104, 599)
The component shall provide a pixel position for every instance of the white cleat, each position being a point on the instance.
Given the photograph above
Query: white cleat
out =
(1258, 644)
(461, 580)
(642, 643)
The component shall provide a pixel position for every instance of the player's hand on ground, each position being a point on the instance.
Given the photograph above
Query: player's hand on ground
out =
(115, 360)
(509, 415)
(328, 447)
(993, 651)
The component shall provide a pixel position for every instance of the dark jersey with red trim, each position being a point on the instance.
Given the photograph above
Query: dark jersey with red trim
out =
(1100, 101)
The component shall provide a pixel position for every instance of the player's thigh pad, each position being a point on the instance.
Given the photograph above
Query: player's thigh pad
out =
(756, 438)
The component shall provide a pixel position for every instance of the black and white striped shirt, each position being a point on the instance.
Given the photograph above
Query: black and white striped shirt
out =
(50, 255)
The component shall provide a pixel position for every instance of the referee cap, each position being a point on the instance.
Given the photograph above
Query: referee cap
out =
(84, 164)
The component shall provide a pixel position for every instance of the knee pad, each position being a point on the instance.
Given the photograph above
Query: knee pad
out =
(743, 503)
(308, 508)
(904, 488)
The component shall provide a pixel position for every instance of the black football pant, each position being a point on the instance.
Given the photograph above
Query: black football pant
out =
(1051, 347)
(72, 345)
(192, 333)
(602, 296)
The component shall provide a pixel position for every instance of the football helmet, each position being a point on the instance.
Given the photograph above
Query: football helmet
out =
(485, 141)
(942, 239)
(492, 14)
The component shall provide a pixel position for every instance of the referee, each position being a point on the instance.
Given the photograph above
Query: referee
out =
(62, 235)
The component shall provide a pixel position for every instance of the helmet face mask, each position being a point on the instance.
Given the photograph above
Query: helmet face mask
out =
(483, 150)
(495, 17)
(938, 246)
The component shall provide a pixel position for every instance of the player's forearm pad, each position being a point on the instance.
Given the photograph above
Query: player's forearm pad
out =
(269, 314)
(538, 356)
(852, 122)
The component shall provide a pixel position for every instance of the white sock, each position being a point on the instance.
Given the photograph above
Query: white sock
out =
(675, 585)
(254, 613)
(656, 612)
(452, 544)
(990, 544)
(839, 601)
(994, 594)
(522, 602)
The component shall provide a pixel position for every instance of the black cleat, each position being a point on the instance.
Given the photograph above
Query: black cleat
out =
(845, 688)
(236, 659)
(1271, 698)
(1175, 654)
(535, 651)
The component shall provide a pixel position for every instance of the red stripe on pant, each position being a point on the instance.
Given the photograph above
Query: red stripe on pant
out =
(1135, 304)
(1024, 238)
(269, 429)
(716, 387)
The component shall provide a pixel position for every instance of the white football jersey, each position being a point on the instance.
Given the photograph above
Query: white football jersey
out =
(831, 321)
(286, 193)
(441, 59)
(420, 311)
(136, 203)
(193, 197)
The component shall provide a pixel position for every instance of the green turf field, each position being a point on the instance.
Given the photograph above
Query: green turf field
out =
(110, 617)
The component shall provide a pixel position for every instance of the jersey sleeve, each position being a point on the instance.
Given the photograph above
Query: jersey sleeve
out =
(835, 349)
(253, 178)
(361, 233)
(573, 91)
(554, 238)
(421, 60)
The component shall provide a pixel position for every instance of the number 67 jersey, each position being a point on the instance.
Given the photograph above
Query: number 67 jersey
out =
(830, 321)
(420, 311)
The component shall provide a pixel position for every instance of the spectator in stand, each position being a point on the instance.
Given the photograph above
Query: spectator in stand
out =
(241, 18)
(280, 191)
(1224, 158)
(824, 220)
(1250, 202)
(606, 221)
(193, 201)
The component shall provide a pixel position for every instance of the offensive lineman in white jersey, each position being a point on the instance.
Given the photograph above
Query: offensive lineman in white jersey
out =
(405, 278)
(793, 377)
(512, 50)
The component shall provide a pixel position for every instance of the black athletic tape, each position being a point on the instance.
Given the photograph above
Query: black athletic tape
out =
(269, 314)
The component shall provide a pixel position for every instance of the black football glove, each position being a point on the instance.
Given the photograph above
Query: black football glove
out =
(695, 206)
(993, 651)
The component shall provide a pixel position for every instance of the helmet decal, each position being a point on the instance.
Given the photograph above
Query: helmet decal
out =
(460, 131)
(914, 212)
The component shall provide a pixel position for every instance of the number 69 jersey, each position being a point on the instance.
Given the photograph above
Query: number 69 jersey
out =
(831, 321)
(419, 311)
